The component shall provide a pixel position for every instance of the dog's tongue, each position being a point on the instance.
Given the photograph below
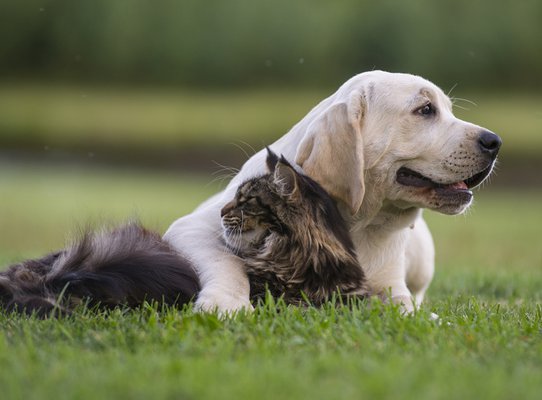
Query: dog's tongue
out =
(458, 186)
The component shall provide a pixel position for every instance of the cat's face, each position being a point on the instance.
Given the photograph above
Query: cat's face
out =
(248, 217)
(262, 205)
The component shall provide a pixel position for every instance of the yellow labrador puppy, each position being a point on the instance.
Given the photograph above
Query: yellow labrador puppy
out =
(385, 145)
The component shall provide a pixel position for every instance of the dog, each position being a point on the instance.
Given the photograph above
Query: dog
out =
(385, 146)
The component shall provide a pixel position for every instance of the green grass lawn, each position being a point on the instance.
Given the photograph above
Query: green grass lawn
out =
(487, 290)
(42, 206)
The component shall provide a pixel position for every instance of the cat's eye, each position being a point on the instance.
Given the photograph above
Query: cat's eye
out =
(250, 201)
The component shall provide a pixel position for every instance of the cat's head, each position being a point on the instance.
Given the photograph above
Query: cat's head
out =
(283, 201)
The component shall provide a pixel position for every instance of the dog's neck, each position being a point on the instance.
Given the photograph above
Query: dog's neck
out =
(381, 215)
(377, 212)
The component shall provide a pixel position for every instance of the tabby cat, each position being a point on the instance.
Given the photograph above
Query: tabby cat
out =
(291, 236)
(283, 224)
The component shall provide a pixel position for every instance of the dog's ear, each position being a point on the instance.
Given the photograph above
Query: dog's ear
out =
(331, 151)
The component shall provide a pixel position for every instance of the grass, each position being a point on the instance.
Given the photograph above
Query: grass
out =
(41, 206)
(486, 290)
(72, 116)
(479, 351)
(67, 117)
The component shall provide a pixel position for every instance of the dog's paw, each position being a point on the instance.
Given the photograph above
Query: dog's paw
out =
(405, 302)
(224, 304)
(435, 317)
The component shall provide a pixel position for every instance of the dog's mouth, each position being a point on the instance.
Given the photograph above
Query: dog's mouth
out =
(408, 177)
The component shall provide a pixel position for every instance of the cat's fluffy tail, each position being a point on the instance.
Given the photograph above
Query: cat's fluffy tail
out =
(123, 266)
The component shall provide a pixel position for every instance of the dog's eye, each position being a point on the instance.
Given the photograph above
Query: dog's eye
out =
(426, 110)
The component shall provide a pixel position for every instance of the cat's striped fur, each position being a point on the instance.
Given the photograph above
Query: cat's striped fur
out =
(291, 236)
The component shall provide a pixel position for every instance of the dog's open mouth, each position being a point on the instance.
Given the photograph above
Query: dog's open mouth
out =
(408, 177)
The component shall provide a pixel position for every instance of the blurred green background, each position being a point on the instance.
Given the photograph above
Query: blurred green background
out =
(119, 108)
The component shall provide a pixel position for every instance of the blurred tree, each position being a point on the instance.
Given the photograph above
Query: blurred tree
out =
(241, 42)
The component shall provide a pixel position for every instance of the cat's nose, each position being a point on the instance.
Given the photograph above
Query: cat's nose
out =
(226, 209)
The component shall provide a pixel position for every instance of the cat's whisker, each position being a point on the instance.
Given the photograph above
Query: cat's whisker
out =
(231, 245)
(234, 240)
(225, 168)
(222, 178)
(237, 240)
(286, 241)
(223, 173)
(245, 152)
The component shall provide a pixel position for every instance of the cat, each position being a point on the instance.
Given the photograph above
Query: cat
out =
(123, 266)
(291, 237)
(283, 224)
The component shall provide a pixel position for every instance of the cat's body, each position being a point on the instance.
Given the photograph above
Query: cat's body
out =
(291, 237)
(123, 266)
(286, 228)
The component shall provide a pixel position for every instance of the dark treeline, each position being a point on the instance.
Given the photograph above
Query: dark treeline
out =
(480, 43)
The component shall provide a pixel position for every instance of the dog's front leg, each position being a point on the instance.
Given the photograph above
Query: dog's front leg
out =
(398, 293)
(225, 286)
(224, 283)
(385, 266)
(420, 260)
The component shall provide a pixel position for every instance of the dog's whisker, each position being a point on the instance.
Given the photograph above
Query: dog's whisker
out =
(459, 99)
(451, 89)
(461, 108)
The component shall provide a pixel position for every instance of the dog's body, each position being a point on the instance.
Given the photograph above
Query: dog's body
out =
(395, 148)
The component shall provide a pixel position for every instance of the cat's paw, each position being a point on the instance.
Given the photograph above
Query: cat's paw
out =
(224, 304)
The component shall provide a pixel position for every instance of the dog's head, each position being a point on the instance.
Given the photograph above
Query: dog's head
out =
(393, 139)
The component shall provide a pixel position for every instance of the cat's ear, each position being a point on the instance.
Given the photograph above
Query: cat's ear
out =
(331, 151)
(286, 179)
(271, 160)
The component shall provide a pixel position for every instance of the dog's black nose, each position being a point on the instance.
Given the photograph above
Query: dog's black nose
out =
(489, 143)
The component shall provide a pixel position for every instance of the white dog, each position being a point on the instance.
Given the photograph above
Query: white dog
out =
(385, 146)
